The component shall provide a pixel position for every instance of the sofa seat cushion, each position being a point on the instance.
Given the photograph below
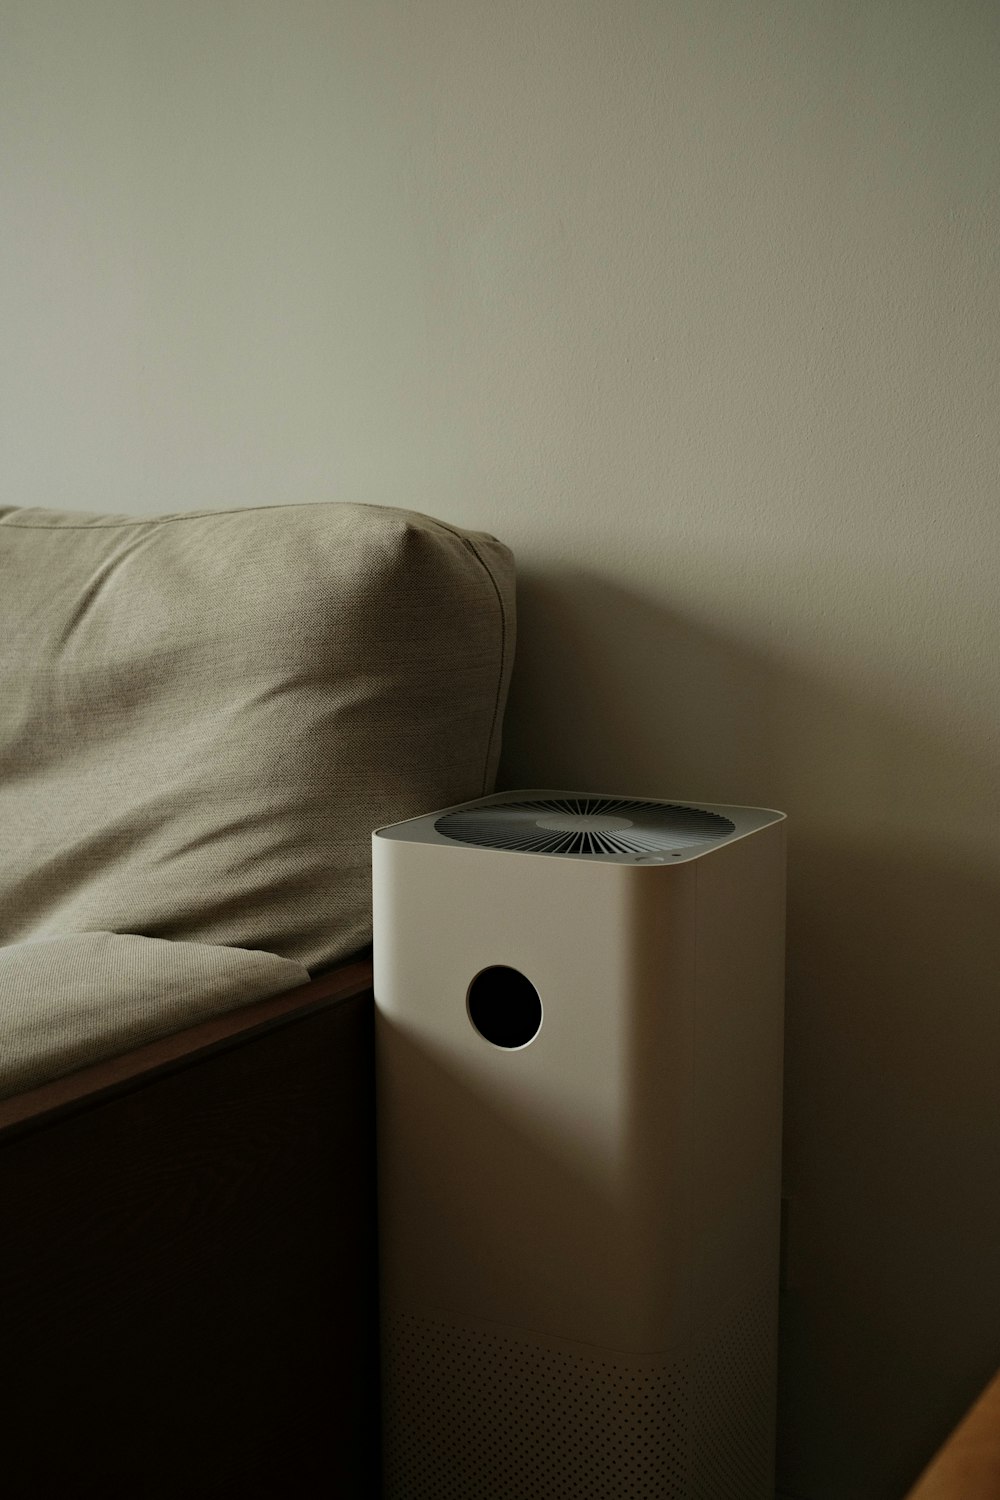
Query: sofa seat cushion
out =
(66, 1002)
(205, 715)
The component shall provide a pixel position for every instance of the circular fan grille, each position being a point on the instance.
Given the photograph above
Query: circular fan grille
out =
(584, 825)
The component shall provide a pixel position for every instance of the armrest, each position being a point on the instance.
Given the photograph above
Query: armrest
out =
(188, 1262)
(118, 1074)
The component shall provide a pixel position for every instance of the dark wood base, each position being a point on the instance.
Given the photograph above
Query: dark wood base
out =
(188, 1263)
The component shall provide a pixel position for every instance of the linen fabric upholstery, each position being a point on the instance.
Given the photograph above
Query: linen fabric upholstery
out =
(203, 716)
(66, 1002)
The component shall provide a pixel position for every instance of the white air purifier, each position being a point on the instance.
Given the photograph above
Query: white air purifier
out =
(579, 1044)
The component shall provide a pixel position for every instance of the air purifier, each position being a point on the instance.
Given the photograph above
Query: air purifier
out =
(579, 1044)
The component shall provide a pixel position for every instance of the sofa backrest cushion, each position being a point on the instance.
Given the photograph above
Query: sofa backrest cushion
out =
(203, 716)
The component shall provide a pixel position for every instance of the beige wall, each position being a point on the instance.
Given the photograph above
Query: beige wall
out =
(695, 304)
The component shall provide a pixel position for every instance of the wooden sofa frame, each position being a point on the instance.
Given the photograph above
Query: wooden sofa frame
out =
(188, 1262)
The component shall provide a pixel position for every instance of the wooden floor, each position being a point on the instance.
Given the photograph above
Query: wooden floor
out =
(967, 1467)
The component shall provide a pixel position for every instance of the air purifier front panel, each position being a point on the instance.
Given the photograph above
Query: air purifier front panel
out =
(579, 1062)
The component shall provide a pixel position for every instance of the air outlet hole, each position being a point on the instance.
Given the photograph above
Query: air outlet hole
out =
(504, 1006)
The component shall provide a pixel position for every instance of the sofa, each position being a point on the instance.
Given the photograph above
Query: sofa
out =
(202, 718)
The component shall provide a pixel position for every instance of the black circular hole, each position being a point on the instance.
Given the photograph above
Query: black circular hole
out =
(504, 1006)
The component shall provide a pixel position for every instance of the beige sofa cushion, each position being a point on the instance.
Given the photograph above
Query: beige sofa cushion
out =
(203, 716)
(66, 1002)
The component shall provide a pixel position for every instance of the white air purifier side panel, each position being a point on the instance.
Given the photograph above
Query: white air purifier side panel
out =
(579, 1237)
(737, 1072)
(549, 1147)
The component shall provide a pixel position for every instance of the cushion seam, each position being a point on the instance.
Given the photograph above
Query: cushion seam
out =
(202, 515)
(494, 725)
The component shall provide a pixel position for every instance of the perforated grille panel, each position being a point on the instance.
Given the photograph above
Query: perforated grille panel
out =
(483, 1416)
(732, 1405)
(473, 1416)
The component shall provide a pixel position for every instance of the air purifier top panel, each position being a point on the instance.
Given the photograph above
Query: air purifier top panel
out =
(585, 825)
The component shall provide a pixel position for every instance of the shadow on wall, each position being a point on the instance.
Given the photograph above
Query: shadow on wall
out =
(891, 1320)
